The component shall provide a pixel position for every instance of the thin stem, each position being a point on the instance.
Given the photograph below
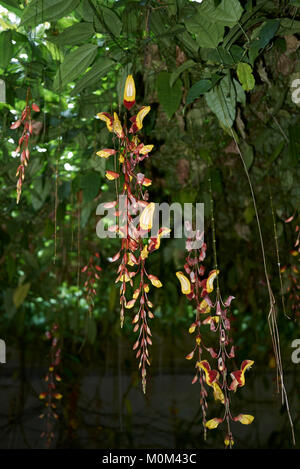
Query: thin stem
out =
(213, 229)
(277, 250)
(272, 320)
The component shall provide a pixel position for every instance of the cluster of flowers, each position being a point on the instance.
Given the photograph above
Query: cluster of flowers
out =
(23, 146)
(91, 270)
(52, 378)
(293, 272)
(132, 200)
(198, 288)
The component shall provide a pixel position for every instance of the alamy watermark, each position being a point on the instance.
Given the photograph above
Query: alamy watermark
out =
(179, 218)
(2, 351)
(296, 353)
(295, 86)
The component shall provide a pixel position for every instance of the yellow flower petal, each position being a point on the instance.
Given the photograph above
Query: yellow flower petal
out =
(141, 115)
(146, 149)
(111, 175)
(129, 92)
(117, 126)
(210, 281)
(218, 393)
(105, 153)
(146, 218)
(245, 419)
(155, 281)
(213, 423)
(184, 282)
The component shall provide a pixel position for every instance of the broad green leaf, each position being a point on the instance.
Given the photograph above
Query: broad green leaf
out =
(112, 21)
(227, 13)
(20, 294)
(240, 93)
(90, 184)
(208, 34)
(188, 42)
(265, 34)
(288, 26)
(75, 64)
(222, 101)
(201, 87)
(90, 78)
(40, 11)
(75, 34)
(245, 76)
(169, 98)
(185, 66)
(223, 56)
(6, 48)
(55, 51)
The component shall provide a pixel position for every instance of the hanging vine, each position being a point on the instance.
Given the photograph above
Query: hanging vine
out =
(132, 200)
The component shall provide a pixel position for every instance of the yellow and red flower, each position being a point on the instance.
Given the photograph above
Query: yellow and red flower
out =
(238, 377)
(105, 153)
(184, 282)
(111, 175)
(137, 121)
(245, 419)
(211, 376)
(209, 282)
(129, 92)
(146, 218)
(107, 118)
(213, 423)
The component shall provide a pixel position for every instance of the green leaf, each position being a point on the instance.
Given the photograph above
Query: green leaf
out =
(222, 101)
(201, 87)
(245, 76)
(288, 26)
(98, 70)
(12, 5)
(75, 64)
(20, 294)
(38, 11)
(208, 34)
(75, 34)
(240, 93)
(223, 56)
(6, 48)
(188, 42)
(265, 35)
(112, 21)
(90, 184)
(169, 98)
(227, 13)
(185, 66)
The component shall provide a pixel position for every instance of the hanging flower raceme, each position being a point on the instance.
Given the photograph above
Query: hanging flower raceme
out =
(23, 146)
(132, 202)
(51, 396)
(217, 315)
(92, 272)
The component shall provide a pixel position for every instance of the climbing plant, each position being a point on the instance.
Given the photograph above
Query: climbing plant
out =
(200, 102)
